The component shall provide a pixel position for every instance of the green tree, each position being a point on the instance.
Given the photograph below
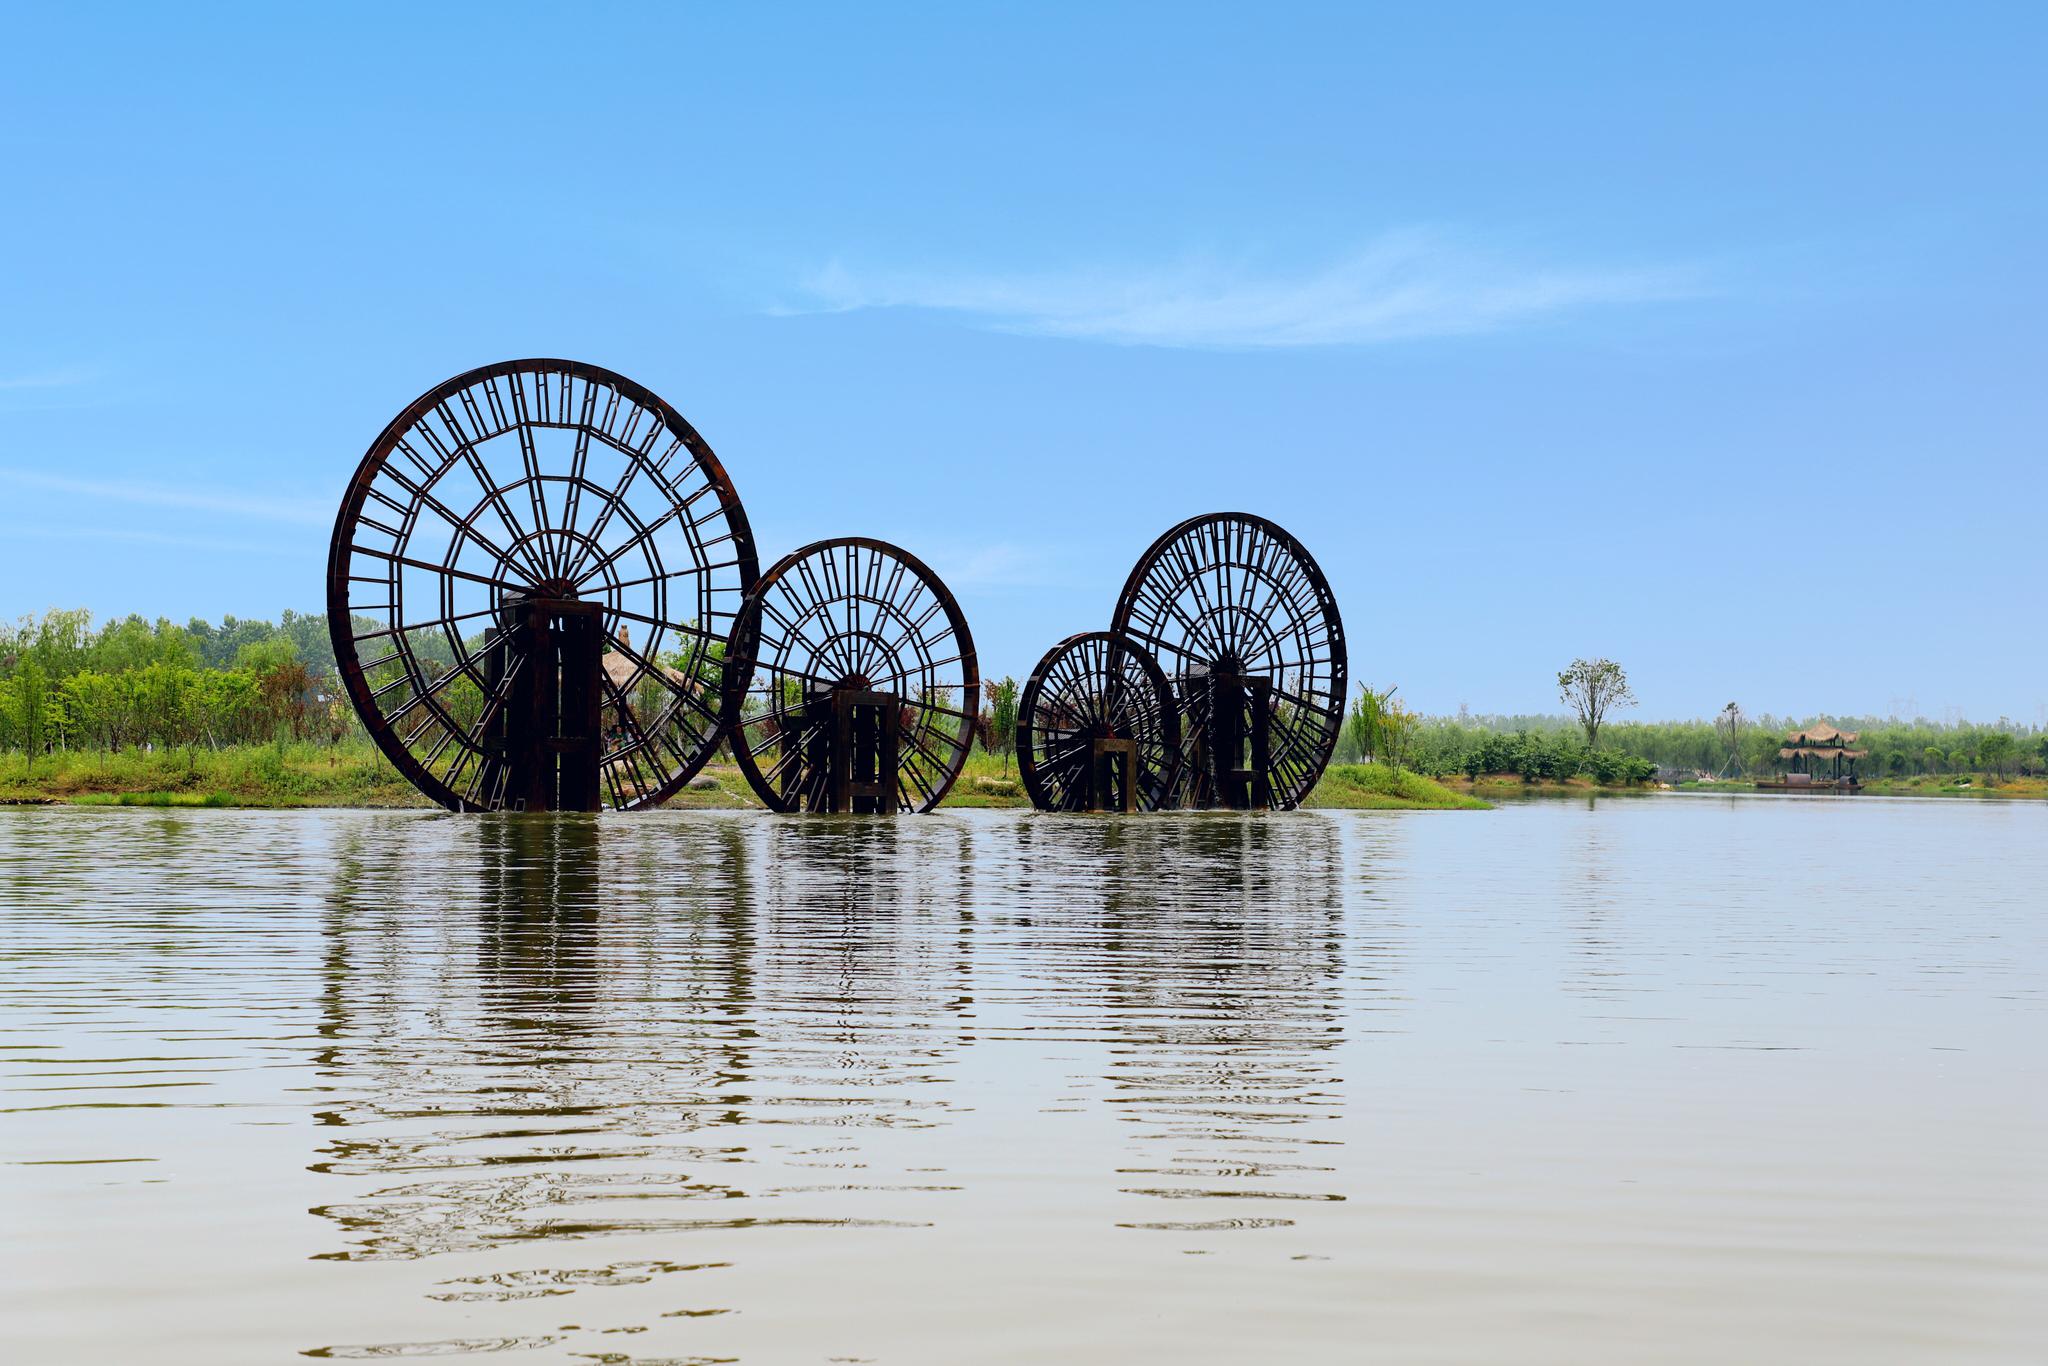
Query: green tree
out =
(1397, 729)
(1592, 688)
(1362, 728)
(163, 704)
(132, 643)
(230, 706)
(261, 656)
(92, 702)
(59, 641)
(1002, 718)
(1996, 749)
(31, 707)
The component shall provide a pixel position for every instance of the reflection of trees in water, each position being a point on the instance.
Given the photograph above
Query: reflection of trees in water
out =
(1590, 889)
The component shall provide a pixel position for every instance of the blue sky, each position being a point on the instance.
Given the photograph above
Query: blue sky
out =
(1551, 330)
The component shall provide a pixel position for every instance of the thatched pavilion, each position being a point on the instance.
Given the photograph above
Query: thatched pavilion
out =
(1820, 756)
(624, 671)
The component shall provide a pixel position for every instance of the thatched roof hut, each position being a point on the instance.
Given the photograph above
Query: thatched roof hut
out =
(1822, 741)
(620, 667)
(1812, 750)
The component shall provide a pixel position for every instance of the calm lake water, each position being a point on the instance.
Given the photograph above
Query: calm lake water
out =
(1672, 1080)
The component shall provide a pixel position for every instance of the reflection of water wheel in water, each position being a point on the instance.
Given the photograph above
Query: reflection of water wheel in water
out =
(531, 577)
(850, 682)
(1244, 625)
(1097, 729)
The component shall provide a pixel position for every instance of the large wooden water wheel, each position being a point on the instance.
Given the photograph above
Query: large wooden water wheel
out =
(533, 574)
(1097, 728)
(850, 682)
(1246, 629)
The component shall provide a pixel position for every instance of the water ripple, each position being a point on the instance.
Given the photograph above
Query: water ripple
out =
(913, 1090)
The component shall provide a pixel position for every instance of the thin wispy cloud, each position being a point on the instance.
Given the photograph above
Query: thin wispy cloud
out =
(44, 379)
(1404, 286)
(960, 563)
(154, 538)
(1003, 564)
(255, 507)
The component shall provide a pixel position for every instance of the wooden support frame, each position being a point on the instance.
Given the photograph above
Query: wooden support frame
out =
(1239, 712)
(549, 734)
(1113, 776)
(849, 744)
(866, 730)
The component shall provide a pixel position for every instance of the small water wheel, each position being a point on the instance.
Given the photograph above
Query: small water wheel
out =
(1097, 728)
(1244, 625)
(850, 682)
(530, 578)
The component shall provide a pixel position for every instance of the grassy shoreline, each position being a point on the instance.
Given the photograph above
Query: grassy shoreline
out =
(1377, 787)
(1921, 785)
(357, 775)
(1508, 786)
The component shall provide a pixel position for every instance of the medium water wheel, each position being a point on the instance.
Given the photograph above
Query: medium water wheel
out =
(1097, 728)
(532, 576)
(850, 682)
(1246, 629)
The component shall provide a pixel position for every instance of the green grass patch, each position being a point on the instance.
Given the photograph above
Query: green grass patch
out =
(215, 799)
(988, 780)
(1382, 787)
(357, 774)
(349, 774)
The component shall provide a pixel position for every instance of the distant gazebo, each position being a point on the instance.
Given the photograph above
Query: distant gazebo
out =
(1820, 757)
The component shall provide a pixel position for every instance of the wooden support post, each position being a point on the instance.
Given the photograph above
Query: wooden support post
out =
(866, 733)
(551, 731)
(1113, 776)
(1258, 696)
(1235, 750)
(579, 739)
(529, 710)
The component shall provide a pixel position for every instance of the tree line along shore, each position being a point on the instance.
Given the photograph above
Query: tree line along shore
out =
(246, 712)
